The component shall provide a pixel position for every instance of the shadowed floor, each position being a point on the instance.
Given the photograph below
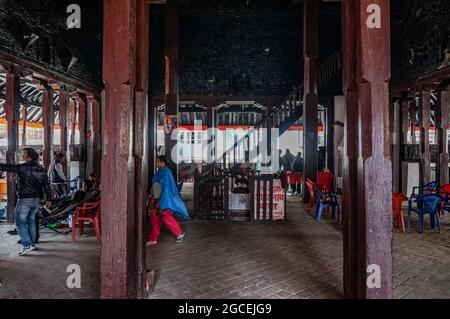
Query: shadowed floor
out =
(298, 258)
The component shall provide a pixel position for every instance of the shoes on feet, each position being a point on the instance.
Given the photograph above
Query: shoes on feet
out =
(181, 237)
(151, 243)
(26, 250)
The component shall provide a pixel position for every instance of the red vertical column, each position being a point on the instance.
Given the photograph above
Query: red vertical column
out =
(96, 134)
(350, 160)
(12, 116)
(125, 62)
(48, 120)
(368, 226)
(82, 125)
(442, 173)
(374, 222)
(171, 81)
(310, 101)
(405, 126)
(63, 119)
(424, 121)
(24, 125)
(63, 125)
(72, 120)
(141, 144)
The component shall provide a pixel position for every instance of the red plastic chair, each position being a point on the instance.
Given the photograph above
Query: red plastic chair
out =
(325, 181)
(312, 194)
(397, 200)
(90, 212)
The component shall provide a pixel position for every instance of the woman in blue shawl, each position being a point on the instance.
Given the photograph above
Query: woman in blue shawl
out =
(169, 202)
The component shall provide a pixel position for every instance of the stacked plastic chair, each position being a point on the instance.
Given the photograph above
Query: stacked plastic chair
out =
(427, 201)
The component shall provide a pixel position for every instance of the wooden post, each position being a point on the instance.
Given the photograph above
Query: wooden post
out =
(140, 149)
(12, 116)
(89, 135)
(152, 138)
(209, 126)
(413, 121)
(368, 268)
(424, 120)
(350, 159)
(395, 129)
(405, 126)
(63, 127)
(124, 165)
(374, 243)
(443, 121)
(24, 125)
(95, 132)
(48, 121)
(171, 81)
(310, 105)
(82, 125)
(330, 136)
(73, 120)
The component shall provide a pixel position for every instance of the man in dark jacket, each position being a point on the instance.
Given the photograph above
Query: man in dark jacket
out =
(33, 186)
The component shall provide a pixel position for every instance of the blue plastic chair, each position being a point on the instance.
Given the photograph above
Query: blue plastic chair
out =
(427, 204)
(324, 201)
(419, 191)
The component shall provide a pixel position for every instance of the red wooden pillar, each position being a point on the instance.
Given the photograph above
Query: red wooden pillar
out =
(82, 125)
(210, 135)
(141, 145)
(413, 122)
(72, 120)
(171, 81)
(442, 173)
(124, 165)
(368, 269)
(12, 116)
(374, 228)
(48, 120)
(350, 160)
(395, 129)
(24, 125)
(405, 126)
(310, 101)
(63, 126)
(95, 134)
(424, 121)
(89, 145)
(63, 119)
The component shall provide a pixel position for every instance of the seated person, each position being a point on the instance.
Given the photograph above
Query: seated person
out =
(92, 184)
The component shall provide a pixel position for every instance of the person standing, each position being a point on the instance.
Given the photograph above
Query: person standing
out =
(169, 203)
(33, 187)
(289, 160)
(56, 175)
(298, 170)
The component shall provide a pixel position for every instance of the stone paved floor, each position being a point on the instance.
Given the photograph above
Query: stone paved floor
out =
(43, 272)
(294, 259)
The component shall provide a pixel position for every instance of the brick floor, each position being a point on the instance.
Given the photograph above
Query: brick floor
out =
(42, 273)
(295, 259)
